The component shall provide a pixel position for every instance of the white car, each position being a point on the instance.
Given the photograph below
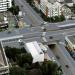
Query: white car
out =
(45, 22)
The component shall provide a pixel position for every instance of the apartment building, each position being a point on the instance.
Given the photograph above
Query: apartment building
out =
(43, 6)
(49, 7)
(54, 9)
(4, 4)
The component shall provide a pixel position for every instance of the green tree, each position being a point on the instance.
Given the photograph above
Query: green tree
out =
(14, 10)
(26, 66)
(24, 58)
(61, 17)
(56, 18)
(50, 68)
(37, 65)
(30, 1)
(16, 70)
(11, 53)
(13, 3)
(35, 72)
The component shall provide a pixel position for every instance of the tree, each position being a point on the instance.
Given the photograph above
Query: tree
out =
(11, 53)
(61, 17)
(37, 65)
(16, 70)
(30, 1)
(26, 66)
(8, 52)
(35, 72)
(56, 18)
(24, 58)
(14, 10)
(13, 3)
(50, 68)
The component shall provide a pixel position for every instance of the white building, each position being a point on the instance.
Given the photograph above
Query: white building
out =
(35, 50)
(54, 9)
(50, 7)
(70, 42)
(4, 4)
(43, 6)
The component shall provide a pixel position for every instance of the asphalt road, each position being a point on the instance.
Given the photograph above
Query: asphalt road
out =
(37, 32)
(36, 35)
(63, 60)
(31, 17)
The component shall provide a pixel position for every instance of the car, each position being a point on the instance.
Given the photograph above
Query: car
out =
(67, 66)
(45, 23)
(57, 57)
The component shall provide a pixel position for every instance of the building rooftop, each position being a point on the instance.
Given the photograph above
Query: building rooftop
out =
(2, 59)
(4, 67)
(72, 38)
(34, 48)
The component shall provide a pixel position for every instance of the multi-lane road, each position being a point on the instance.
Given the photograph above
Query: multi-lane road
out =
(58, 51)
(31, 17)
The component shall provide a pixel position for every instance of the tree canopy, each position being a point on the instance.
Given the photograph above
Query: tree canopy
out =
(14, 9)
(16, 70)
(23, 63)
(50, 68)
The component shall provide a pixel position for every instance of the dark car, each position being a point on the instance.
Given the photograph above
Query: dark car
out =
(67, 66)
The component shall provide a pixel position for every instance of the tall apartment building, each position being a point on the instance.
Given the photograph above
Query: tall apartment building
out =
(4, 4)
(50, 7)
(43, 6)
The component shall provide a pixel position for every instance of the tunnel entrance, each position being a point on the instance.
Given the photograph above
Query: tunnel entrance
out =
(52, 46)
